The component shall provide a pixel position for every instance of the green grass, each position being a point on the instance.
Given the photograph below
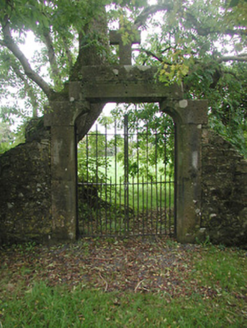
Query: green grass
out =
(114, 169)
(59, 308)
(150, 202)
(213, 291)
(142, 192)
(223, 269)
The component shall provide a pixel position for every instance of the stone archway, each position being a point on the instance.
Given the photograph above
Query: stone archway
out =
(124, 84)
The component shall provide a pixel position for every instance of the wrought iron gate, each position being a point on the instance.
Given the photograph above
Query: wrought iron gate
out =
(126, 180)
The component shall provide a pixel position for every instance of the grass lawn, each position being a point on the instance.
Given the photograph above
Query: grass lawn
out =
(143, 193)
(123, 283)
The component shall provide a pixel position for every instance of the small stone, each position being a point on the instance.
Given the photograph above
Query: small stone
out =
(183, 103)
(10, 205)
(115, 71)
(10, 287)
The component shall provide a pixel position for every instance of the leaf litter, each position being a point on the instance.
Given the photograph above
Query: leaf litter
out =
(138, 265)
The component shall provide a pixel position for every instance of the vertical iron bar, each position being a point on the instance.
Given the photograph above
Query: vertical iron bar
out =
(100, 215)
(120, 205)
(170, 192)
(90, 219)
(161, 211)
(106, 169)
(143, 205)
(133, 203)
(175, 179)
(115, 151)
(138, 191)
(97, 181)
(156, 179)
(126, 171)
(87, 155)
(165, 181)
(110, 205)
(147, 161)
(76, 170)
(151, 205)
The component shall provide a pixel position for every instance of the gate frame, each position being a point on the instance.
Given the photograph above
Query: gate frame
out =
(168, 229)
(128, 84)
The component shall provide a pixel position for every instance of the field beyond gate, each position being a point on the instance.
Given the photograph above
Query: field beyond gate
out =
(126, 180)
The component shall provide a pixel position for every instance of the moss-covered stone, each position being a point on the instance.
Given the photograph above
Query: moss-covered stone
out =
(224, 191)
(25, 188)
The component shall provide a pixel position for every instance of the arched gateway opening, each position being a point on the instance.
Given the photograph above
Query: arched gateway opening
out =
(126, 174)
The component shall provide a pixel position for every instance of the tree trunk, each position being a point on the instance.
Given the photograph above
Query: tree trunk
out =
(93, 50)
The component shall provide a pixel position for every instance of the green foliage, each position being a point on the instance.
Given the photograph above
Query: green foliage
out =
(9, 139)
(154, 142)
(92, 158)
(189, 41)
(190, 45)
(6, 137)
(153, 145)
(227, 108)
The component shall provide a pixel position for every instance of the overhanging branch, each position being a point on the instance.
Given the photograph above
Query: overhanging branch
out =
(150, 10)
(68, 52)
(240, 58)
(13, 47)
(28, 88)
(204, 31)
(51, 54)
(149, 53)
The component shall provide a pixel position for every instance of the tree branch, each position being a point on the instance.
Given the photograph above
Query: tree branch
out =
(12, 46)
(68, 52)
(28, 88)
(150, 10)
(241, 58)
(51, 54)
(204, 31)
(231, 73)
(149, 53)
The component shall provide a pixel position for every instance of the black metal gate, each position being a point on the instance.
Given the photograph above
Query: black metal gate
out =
(126, 180)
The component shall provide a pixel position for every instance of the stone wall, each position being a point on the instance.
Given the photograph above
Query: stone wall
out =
(224, 191)
(25, 190)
